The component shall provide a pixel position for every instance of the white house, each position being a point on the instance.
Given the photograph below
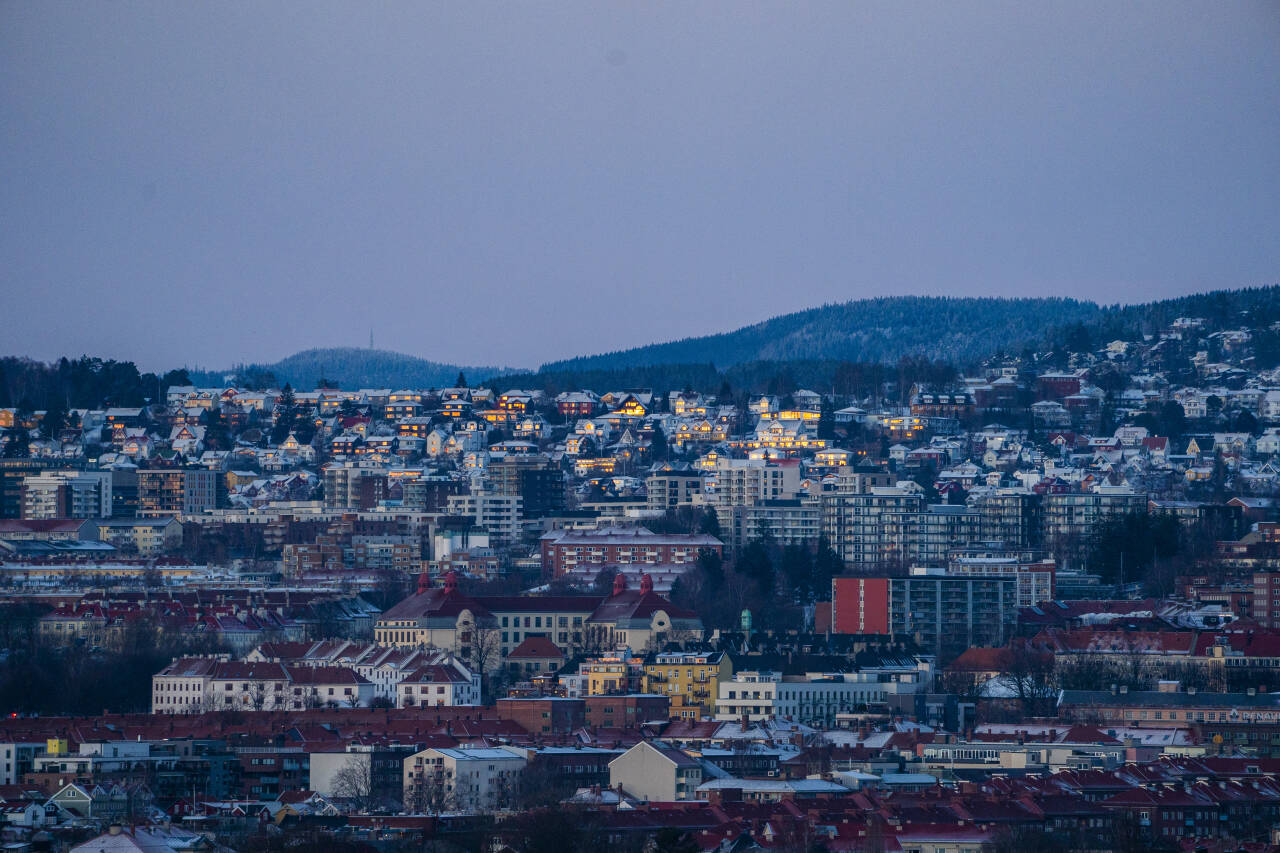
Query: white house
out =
(443, 684)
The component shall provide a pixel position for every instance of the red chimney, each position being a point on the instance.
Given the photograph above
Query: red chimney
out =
(450, 582)
(619, 583)
(424, 582)
(646, 584)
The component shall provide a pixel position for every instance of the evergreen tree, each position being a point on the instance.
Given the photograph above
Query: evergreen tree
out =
(175, 378)
(53, 421)
(756, 564)
(827, 421)
(711, 566)
(286, 413)
(710, 525)
(461, 381)
(216, 435)
(658, 448)
(826, 565)
(797, 569)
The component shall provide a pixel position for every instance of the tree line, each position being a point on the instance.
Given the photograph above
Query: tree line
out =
(40, 676)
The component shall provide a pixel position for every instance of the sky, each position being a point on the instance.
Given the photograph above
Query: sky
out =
(210, 183)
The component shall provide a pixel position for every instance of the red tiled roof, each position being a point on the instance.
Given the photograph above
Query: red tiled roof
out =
(434, 674)
(325, 675)
(536, 647)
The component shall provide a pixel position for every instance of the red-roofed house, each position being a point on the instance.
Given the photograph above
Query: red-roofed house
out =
(439, 685)
(535, 656)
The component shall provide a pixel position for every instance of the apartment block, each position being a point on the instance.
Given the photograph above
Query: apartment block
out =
(177, 491)
(67, 494)
(944, 613)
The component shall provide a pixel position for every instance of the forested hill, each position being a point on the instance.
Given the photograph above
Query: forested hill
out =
(957, 330)
(348, 367)
(868, 330)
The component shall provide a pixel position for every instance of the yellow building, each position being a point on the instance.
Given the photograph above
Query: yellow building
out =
(619, 672)
(690, 679)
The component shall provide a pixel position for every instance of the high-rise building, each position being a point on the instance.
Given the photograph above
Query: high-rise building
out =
(67, 494)
(855, 525)
(669, 489)
(945, 613)
(532, 477)
(927, 538)
(742, 482)
(12, 473)
(1010, 517)
(344, 486)
(787, 522)
(177, 491)
(498, 514)
(1070, 520)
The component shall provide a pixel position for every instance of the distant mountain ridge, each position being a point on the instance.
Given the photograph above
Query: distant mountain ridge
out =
(958, 330)
(353, 367)
(867, 330)
(955, 329)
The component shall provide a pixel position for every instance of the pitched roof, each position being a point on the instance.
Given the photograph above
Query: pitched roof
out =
(637, 604)
(536, 647)
(435, 674)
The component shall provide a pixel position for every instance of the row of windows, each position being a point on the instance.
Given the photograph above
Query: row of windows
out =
(537, 622)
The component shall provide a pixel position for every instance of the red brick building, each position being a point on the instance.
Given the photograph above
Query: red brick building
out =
(543, 715)
(1055, 386)
(625, 711)
(565, 549)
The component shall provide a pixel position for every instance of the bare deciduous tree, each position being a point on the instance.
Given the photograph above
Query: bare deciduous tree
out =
(430, 791)
(354, 782)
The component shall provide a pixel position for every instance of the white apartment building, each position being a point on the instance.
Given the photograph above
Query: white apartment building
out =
(67, 494)
(193, 685)
(498, 514)
(742, 482)
(1035, 576)
(813, 698)
(466, 780)
(667, 490)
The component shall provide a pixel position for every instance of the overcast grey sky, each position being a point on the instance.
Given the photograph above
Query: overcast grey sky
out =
(208, 183)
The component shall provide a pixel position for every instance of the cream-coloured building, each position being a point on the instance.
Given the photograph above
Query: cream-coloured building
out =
(656, 773)
(148, 536)
(484, 629)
